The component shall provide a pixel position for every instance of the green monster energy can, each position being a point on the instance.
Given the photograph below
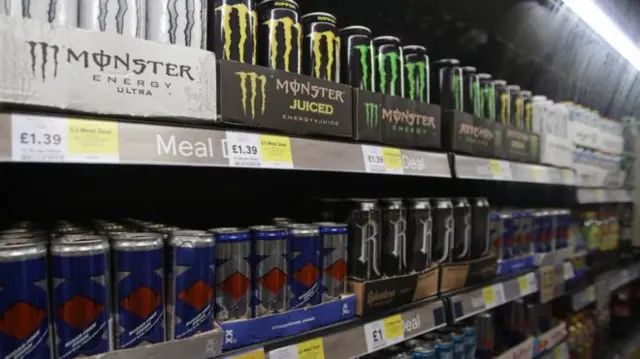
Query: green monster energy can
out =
(503, 101)
(446, 82)
(234, 34)
(517, 106)
(527, 97)
(416, 71)
(487, 97)
(471, 91)
(356, 57)
(321, 46)
(389, 64)
(279, 35)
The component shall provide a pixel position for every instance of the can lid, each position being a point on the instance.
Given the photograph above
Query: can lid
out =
(469, 69)
(484, 76)
(137, 240)
(356, 27)
(268, 231)
(527, 93)
(414, 47)
(500, 82)
(79, 244)
(21, 248)
(191, 238)
(448, 61)
(230, 234)
(539, 97)
(514, 87)
(264, 2)
(303, 229)
(331, 17)
(386, 38)
(331, 227)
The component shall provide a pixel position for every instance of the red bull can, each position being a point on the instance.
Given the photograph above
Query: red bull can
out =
(540, 235)
(305, 276)
(526, 232)
(333, 238)
(469, 342)
(563, 228)
(270, 244)
(509, 247)
(495, 233)
(444, 347)
(552, 224)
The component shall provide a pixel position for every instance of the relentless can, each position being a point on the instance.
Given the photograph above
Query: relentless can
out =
(509, 248)
(281, 221)
(356, 57)
(480, 245)
(81, 295)
(190, 283)
(471, 91)
(394, 237)
(365, 243)
(495, 233)
(233, 35)
(416, 70)
(487, 97)
(24, 305)
(233, 273)
(444, 347)
(279, 35)
(56, 12)
(320, 46)
(446, 82)
(176, 22)
(502, 101)
(125, 17)
(469, 342)
(419, 234)
(516, 102)
(333, 238)
(485, 335)
(443, 230)
(138, 267)
(462, 230)
(527, 103)
(389, 65)
(304, 267)
(424, 351)
(540, 235)
(270, 279)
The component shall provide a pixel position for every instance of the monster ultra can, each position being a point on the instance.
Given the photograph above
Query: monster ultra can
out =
(124, 17)
(178, 22)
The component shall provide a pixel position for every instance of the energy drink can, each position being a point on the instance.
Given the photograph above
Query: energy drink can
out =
(526, 230)
(540, 111)
(270, 279)
(444, 347)
(446, 82)
(138, 267)
(419, 234)
(190, 283)
(413, 343)
(81, 295)
(469, 342)
(518, 240)
(563, 228)
(394, 237)
(458, 339)
(485, 335)
(234, 34)
(279, 35)
(365, 243)
(443, 230)
(320, 46)
(532, 316)
(25, 331)
(540, 234)
(281, 221)
(125, 17)
(416, 70)
(517, 106)
(389, 65)
(182, 23)
(527, 104)
(487, 97)
(502, 101)
(471, 91)
(401, 356)
(56, 12)
(356, 57)
(480, 241)
(425, 351)
(462, 230)
(233, 273)
(305, 276)
(495, 233)
(333, 237)
(509, 249)
(552, 228)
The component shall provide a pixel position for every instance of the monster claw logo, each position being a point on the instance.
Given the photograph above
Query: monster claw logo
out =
(247, 21)
(457, 89)
(40, 52)
(253, 79)
(333, 47)
(477, 98)
(416, 75)
(490, 99)
(364, 52)
(371, 113)
(394, 61)
(504, 102)
(288, 25)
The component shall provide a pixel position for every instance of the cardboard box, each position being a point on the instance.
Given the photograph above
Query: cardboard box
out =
(521, 145)
(260, 97)
(463, 133)
(367, 122)
(100, 73)
(456, 276)
(383, 294)
(556, 151)
(508, 267)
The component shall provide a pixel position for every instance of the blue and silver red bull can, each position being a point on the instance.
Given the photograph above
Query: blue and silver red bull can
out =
(508, 248)
(233, 273)
(550, 229)
(305, 276)
(333, 238)
(563, 228)
(81, 295)
(270, 245)
(25, 331)
(540, 237)
(495, 233)
(518, 234)
(469, 342)
(526, 235)
(138, 267)
(191, 282)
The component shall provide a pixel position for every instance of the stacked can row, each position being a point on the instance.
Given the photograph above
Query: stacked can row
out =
(600, 229)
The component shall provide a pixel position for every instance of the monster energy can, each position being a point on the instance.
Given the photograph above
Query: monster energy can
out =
(56, 12)
(233, 35)
(177, 22)
(517, 106)
(125, 17)
(364, 255)
(394, 237)
(356, 57)
(528, 110)
(446, 81)
(416, 70)
(279, 35)
(502, 101)
(471, 91)
(487, 97)
(389, 64)
(321, 46)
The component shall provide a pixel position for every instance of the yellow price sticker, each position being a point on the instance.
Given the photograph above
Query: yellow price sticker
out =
(88, 137)
(489, 296)
(591, 294)
(538, 173)
(392, 158)
(523, 283)
(275, 149)
(495, 167)
(600, 195)
(311, 349)
(393, 327)
(254, 354)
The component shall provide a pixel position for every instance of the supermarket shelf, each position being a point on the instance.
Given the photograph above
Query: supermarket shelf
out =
(583, 298)
(549, 340)
(561, 351)
(28, 138)
(549, 343)
(619, 277)
(467, 167)
(523, 350)
(591, 195)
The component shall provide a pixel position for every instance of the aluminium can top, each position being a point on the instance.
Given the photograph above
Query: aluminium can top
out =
(386, 38)
(330, 19)
(268, 232)
(21, 249)
(332, 227)
(230, 234)
(137, 241)
(74, 245)
(356, 28)
(303, 230)
(279, 3)
(191, 238)
(414, 48)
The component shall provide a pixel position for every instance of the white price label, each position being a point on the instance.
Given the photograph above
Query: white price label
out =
(528, 284)
(253, 150)
(383, 333)
(500, 296)
(569, 273)
(38, 139)
(373, 159)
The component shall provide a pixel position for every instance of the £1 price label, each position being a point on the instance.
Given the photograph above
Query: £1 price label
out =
(385, 332)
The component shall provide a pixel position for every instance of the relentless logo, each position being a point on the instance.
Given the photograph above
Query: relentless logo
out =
(40, 52)
(371, 114)
(369, 247)
(417, 78)
(288, 26)
(383, 297)
(476, 132)
(394, 61)
(489, 98)
(466, 219)
(427, 230)
(400, 240)
(365, 54)
(448, 234)
(333, 46)
(247, 21)
(504, 103)
(253, 79)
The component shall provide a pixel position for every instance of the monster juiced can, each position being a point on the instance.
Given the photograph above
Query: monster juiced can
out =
(320, 46)
(446, 81)
(389, 65)
(528, 109)
(356, 57)
(279, 35)
(233, 35)
(502, 101)
(487, 97)
(178, 22)
(471, 91)
(56, 12)
(124, 17)
(416, 71)
(517, 106)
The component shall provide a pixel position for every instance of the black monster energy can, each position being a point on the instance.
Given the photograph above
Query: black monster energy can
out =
(321, 46)
(446, 82)
(416, 71)
(471, 91)
(517, 106)
(356, 57)
(233, 35)
(528, 109)
(487, 97)
(389, 64)
(394, 237)
(503, 101)
(279, 35)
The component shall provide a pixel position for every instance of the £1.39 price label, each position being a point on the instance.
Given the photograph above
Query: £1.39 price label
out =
(382, 159)
(253, 150)
(384, 332)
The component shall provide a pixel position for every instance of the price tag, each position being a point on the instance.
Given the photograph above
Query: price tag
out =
(394, 328)
(500, 296)
(382, 159)
(590, 294)
(568, 271)
(528, 284)
(567, 175)
(489, 296)
(392, 159)
(96, 141)
(385, 332)
(496, 168)
(540, 174)
(275, 151)
(252, 150)
(547, 283)
(600, 196)
(254, 354)
(311, 349)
